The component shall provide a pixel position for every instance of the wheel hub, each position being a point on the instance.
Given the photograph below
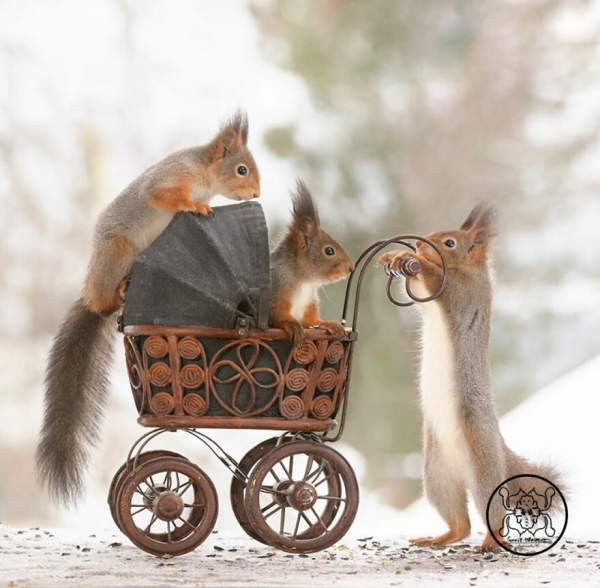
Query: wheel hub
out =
(168, 506)
(151, 494)
(281, 489)
(302, 496)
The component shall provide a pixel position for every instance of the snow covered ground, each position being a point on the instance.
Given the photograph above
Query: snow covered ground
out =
(42, 558)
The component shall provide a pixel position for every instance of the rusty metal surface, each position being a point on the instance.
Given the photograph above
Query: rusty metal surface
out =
(124, 471)
(167, 506)
(302, 497)
(207, 378)
(238, 485)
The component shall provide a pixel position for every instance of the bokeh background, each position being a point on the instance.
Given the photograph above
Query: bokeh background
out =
(400, 115)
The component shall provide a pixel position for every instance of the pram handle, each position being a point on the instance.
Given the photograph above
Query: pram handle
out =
(409, 268)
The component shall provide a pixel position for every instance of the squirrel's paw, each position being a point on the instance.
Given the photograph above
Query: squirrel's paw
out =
(392, 261)
(490, 544)
(295, 331)
(203, 208)
(333, 328)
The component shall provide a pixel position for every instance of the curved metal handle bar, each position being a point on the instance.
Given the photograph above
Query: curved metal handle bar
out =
(365, 259)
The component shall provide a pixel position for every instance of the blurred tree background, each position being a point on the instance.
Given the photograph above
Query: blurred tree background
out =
(426, 107)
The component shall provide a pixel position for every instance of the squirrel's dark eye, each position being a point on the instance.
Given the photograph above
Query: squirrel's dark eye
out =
(329, 251)
(241, 170)
(450, 243)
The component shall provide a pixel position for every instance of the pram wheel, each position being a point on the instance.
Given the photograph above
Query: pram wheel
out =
(115, 485)
(238, 486)
(302, 497)
(167, 505)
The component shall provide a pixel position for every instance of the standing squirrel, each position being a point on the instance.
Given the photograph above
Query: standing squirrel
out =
(305, 259)
(463, 446)
(76, 375)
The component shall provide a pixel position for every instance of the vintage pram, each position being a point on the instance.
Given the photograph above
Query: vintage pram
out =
(293, 491)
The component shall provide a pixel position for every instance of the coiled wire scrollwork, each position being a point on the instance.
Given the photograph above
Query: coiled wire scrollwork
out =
(244, 371)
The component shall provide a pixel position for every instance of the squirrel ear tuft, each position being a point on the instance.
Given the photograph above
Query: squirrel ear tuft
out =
(232, 135)
(482, 223)
(305, 213)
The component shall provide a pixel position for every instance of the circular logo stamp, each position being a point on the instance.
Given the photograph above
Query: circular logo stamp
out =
(527, 515)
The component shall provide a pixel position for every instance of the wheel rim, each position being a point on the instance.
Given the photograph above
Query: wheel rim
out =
(238, 487)
(302, 497)
(167, 506)
(122, 473)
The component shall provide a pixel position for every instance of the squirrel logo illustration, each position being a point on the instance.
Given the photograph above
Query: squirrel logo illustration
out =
(524, 514)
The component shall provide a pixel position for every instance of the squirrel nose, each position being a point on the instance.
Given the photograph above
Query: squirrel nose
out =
(256, 195)
(350, 267)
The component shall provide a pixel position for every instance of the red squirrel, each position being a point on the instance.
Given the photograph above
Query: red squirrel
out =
(463, 447)
(306, 258)
(77, 371)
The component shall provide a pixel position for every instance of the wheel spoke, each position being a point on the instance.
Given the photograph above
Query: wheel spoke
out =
(334, 498)
(140, 491)
(300, 513)
(167, 480)
(152, 521)
(282, 521)
(268, 507)
(187, 523)
(316, 473)
(169, 531)
(139, 510)
(185, 487)
(289, 476)
(312, 509)
(309, 464)
(306, 519)
(273, 512)
(327, 477)
(291, 466)
(199, 505)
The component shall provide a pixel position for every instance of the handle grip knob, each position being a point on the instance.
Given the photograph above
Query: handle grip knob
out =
(410, 267)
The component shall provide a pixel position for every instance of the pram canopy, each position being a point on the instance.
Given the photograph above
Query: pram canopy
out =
(204, 271)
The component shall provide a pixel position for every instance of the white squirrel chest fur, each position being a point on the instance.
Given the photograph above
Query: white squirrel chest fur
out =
(303, 296)
(438, 397)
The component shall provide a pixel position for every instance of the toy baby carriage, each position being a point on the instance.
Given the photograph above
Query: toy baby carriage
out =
(293, 491)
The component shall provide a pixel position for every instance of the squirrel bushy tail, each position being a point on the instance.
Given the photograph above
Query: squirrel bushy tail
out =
(76, 391)
(519, 466)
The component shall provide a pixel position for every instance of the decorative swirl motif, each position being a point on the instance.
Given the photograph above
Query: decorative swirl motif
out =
(297, 379)
(245, 377)
(335, 352)
(162, 403)
(327, 380)
(156, 347)
(135, 374)
(306, 353)
(160, 374)
(191, 376)
(321, 407)
(133, 369)
(194, 405)
(189, 348)
(292, 407)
